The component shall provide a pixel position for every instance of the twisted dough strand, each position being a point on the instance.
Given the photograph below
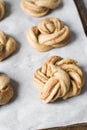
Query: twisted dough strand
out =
(58, 78)
(48, 34)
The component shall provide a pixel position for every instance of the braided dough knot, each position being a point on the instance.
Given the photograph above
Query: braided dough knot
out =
(49, 33)
(58, 78)
(7, 46)
(39, 8)
(6, 90)
(2, 9)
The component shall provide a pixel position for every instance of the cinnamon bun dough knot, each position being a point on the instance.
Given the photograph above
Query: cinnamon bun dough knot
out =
(7, 46)
(49, 33)
(58, 78)
(6, 90)
(38, 8)
(2, 9)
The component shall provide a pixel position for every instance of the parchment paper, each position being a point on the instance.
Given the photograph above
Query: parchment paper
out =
(26, 111)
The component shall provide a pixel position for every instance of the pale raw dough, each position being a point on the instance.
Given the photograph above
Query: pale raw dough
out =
(38, 8)
(58, 78)
(49, 33)
(2, 9)
(6, 90)
(7, 46)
